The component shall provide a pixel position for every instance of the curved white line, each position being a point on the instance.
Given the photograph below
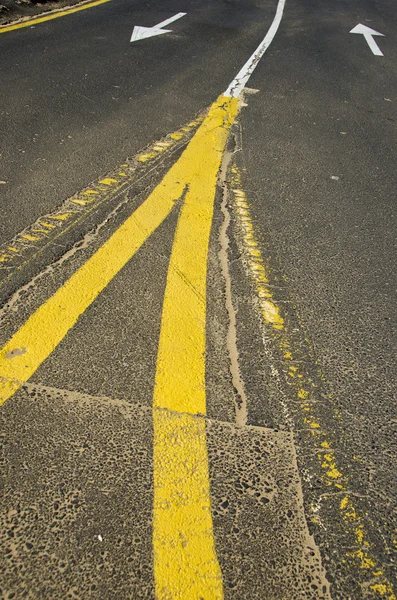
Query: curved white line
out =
(240, 81)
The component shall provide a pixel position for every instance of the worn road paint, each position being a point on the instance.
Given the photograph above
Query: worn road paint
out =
(43, 331)
(47, 327)
(25, 246)
(185, 562)
(50, 16)
(180, 363)
(302, 385)
(141, 33)
(240, 81)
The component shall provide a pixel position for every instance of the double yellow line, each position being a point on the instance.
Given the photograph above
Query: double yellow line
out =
(185, 560)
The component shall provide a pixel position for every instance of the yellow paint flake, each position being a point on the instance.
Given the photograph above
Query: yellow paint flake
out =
(108, 181)
(147, 156)
(271, 313)
(176, 136)
(288, 356)
(379, 588)
(384, 589)
(30, 238)
(344, 502)
(350, 514)
(81, 202)
(330, 464)
(302, 394)
(325, 444)
(62, 217)
(365, 561)
(48, 225)
(360, 534)
(90, 193)
(12, 249)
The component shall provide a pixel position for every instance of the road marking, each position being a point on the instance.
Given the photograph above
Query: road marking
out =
(27, 245)
(368, 34)
(140, 33)
(304, 389)
(46, 328)
(185, 562)
(242, 77)
(50, 17)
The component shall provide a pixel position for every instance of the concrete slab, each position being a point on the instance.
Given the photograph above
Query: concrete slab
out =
(77, 467)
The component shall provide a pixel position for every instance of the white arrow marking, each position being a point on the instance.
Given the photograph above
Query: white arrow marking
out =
(140, 33)
(368, 33)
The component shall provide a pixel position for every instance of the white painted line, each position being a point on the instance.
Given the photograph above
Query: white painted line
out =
(140, 33)
(170, 20)
(240, 81)
(368, 33)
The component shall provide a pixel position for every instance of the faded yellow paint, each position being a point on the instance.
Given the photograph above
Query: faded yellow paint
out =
(48, 225)
(50, 323)
(43, 331)
(108, 181)
(84, 202)
(81, 202)
(332, 473)
(185, 562)
(49, 17)
(61, 217)
(379, 588)
(344, 502)
(30, 238)
(270, 312)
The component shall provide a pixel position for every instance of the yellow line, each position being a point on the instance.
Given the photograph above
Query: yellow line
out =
(185, 562)
(186, 566)
(50, 17)
(362, 553)
(79, 206)
(46, 328)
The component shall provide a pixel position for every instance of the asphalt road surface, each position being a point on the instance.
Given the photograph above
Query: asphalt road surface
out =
(198, 291)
